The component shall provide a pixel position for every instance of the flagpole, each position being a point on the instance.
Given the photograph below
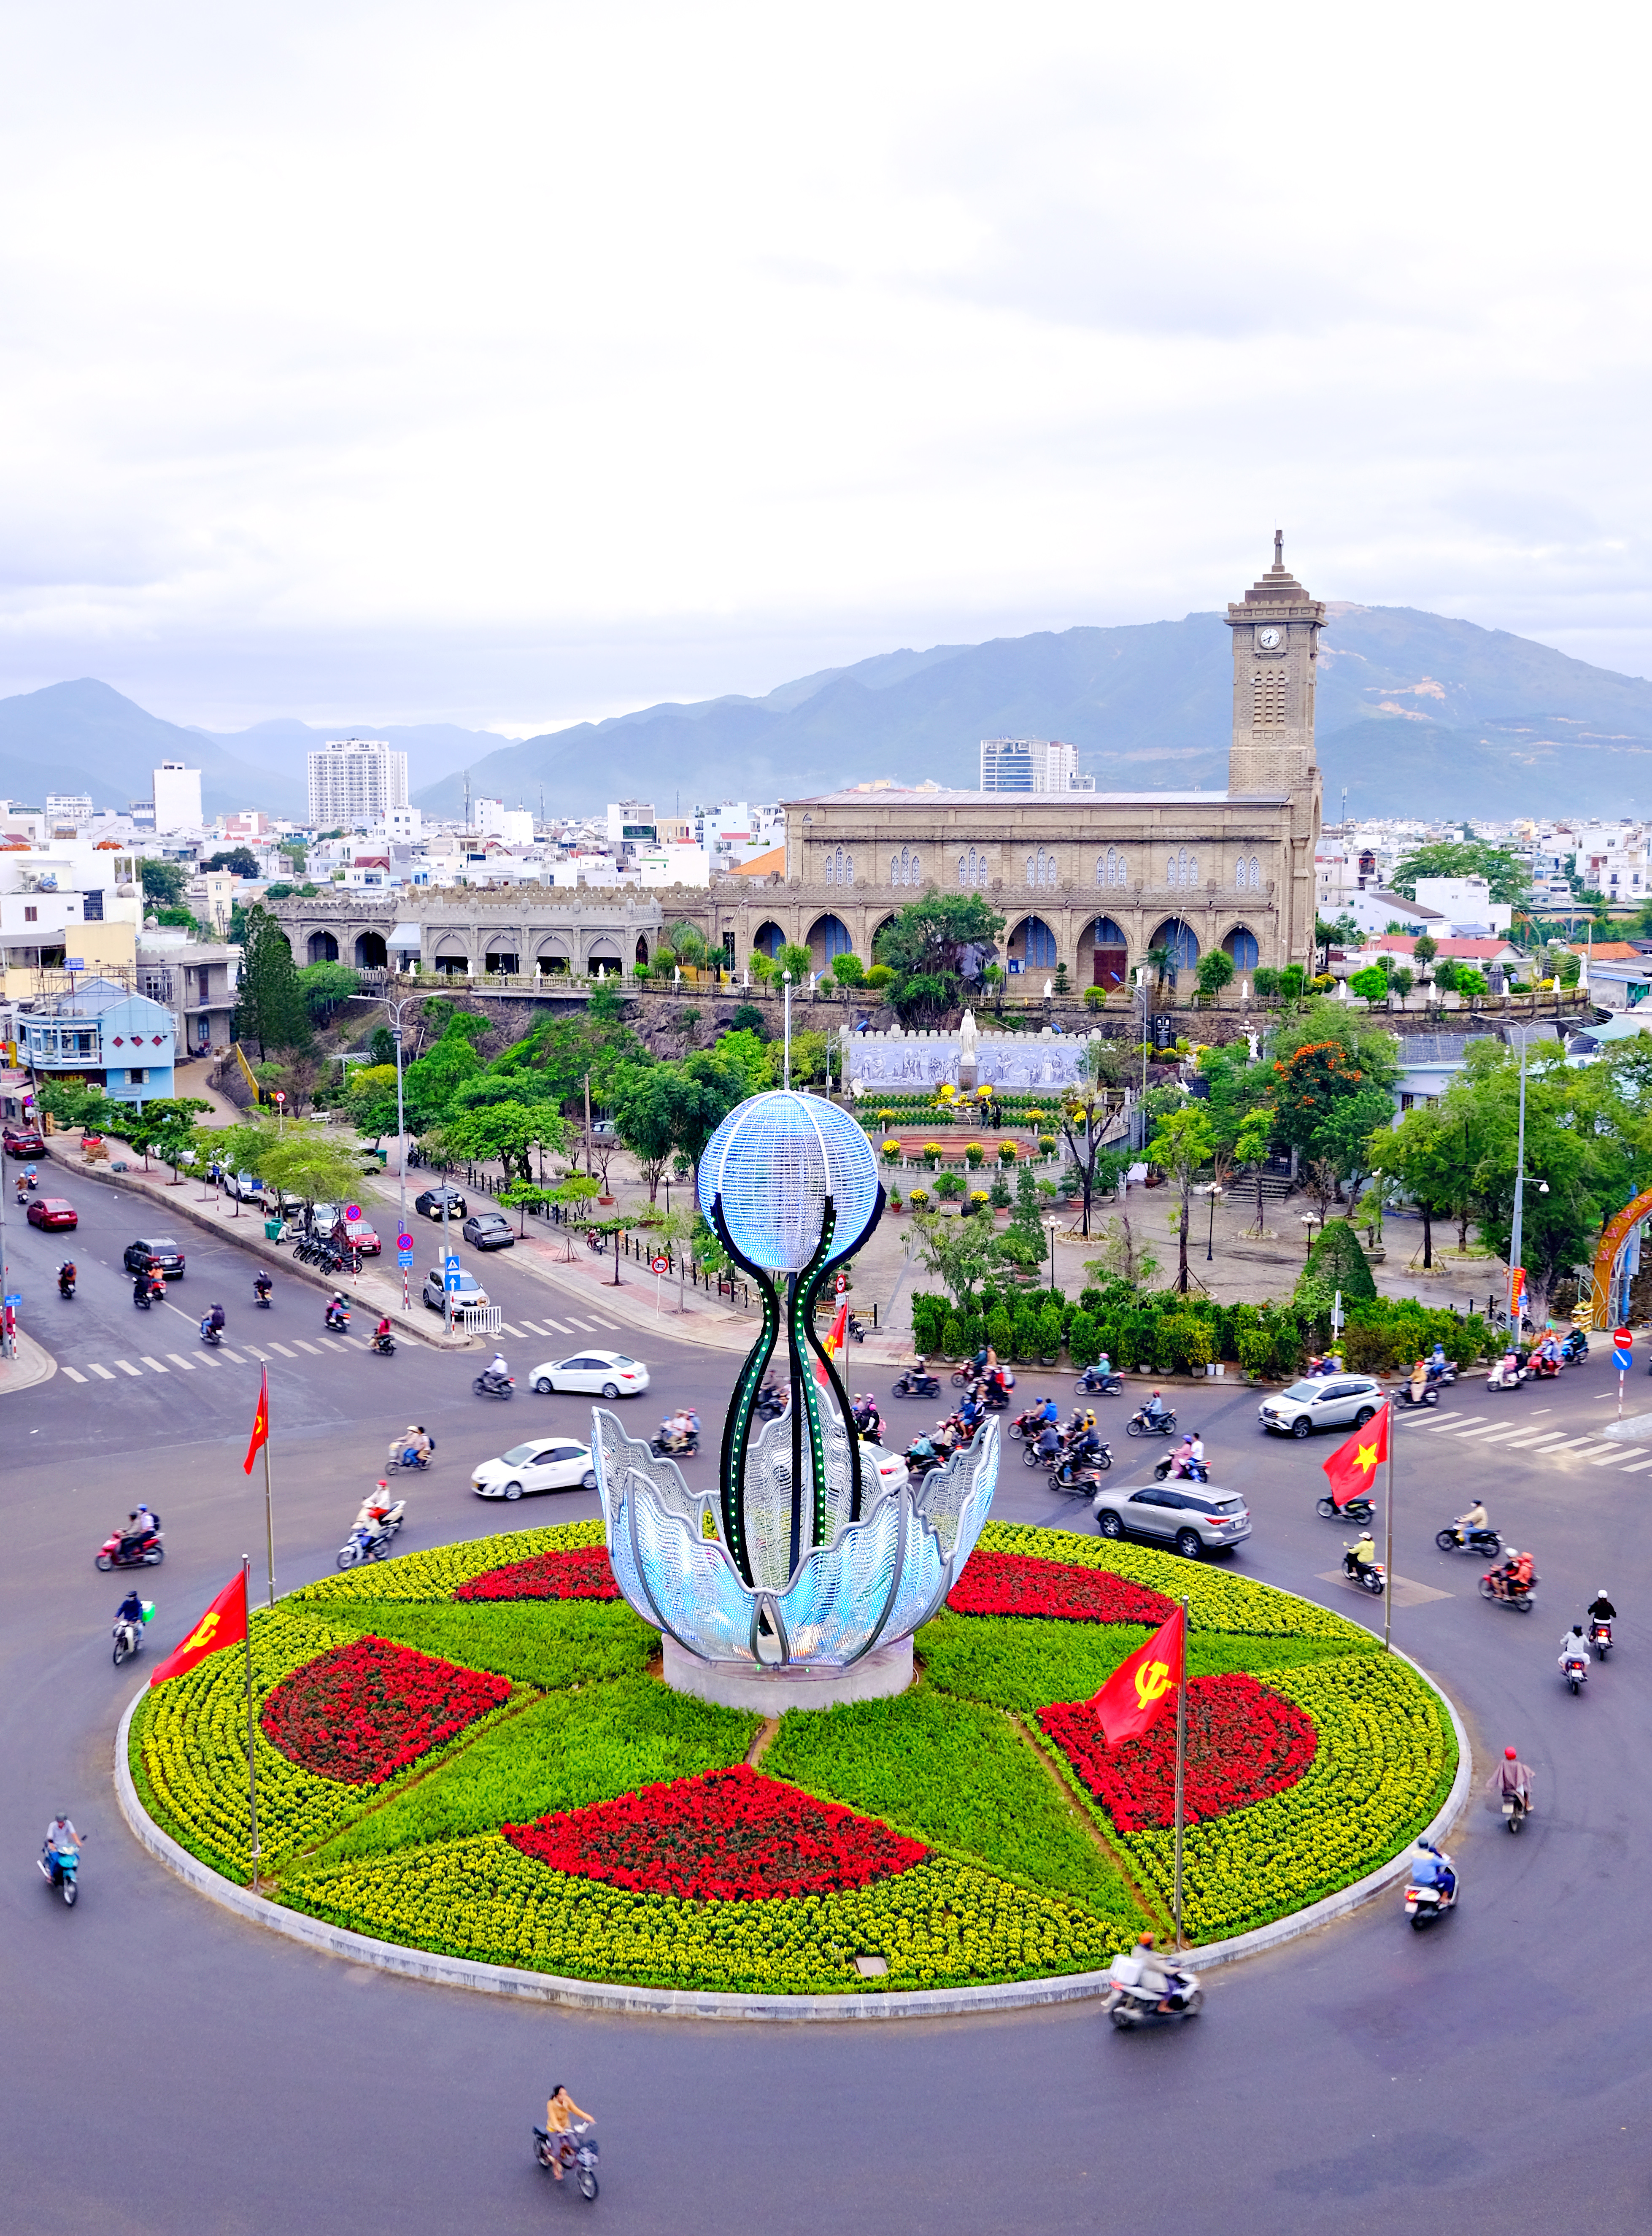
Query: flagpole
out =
(269, 1514)
(252, 1766)
(1181, 1764)
(1388, 1552)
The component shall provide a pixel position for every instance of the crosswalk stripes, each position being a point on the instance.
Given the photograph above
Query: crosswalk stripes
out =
(126, 1367)
(533, 1327)
(310, 1347)
(1635, 1467)
(228, 1353)
(187, 1365)
(74, 1374)
(101, 1372)
(556, 1327)
(609, 1325)
(505, 1328)
(285, 1352)
(154, 1365)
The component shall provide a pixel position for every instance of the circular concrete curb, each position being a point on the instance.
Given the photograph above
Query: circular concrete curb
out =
(690, 2003)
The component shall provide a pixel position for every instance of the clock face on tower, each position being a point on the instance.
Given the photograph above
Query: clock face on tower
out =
(1267, 639)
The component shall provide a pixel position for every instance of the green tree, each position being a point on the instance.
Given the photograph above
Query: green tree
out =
(1371, 984)
(315, 1164)
(676, 1108)
(1084, 1117)
(324, 986)
(1509, 878)
(755, 1056)
(242, 1148)
(797, 960)
(269, 1007)
(960, 1253)
(1425, 1151)
(239, 860)
(163, 883)
(1182, 1148)
(430, 1083)
(510, 1131)
(1336, 1259)
(371, 1099)
(848, 969)
(923, 946)
(1215, 971)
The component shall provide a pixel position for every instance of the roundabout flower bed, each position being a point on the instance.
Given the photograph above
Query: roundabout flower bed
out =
(470, 1751)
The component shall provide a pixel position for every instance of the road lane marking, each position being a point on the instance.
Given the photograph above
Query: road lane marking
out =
(152, 1363)
(533, 1327)
(331, 1342)
(101, 1372)
(1575, 1444)
(228, 1353)
(1547, 1440)
(588, 1324)
(126, 1367)
(609, 1326)
(556, 1327)
(285, 1352)
(505, 1328)
(262, 1357)
(1634, 1468)
(1531, 1437)
(1606, 1459)
(187, 1365)
(74, 1375)
(310, 1347)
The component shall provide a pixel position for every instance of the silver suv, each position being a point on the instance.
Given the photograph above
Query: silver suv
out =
(1328, 1401)
(1194, 1517)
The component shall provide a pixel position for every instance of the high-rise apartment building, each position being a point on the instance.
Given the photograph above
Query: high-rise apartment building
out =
(177, 797)
(353, 781)
(1027, 764)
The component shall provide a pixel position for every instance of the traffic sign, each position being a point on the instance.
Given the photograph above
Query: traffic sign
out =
(451, 1263)
(843, 1283)
(660, 1265)
(1624, 1339)
(15, 1301)
(1623, 1360)
(450, 1283)
(403, 1241)
(352, 1211)
(74, 963)
(405, 1259)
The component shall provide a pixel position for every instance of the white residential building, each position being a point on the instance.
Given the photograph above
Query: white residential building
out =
(354, 782)
(177, 797)
(1611, 859)
(1467, 903)
(1027, 764)
(67, 810)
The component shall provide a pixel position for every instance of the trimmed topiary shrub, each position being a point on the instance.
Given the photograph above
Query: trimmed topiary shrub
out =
(1336, 1259)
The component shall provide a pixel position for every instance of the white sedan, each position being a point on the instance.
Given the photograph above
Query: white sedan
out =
(548, 1463)
(604, 1373)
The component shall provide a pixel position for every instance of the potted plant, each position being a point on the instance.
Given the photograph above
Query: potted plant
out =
(894, 1201)
(891, 1150)
(1007, 1153)
(932, 1154)
(918, 1199)
(979, 1200)
(974, 1154)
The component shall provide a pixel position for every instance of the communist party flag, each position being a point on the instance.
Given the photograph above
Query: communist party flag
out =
(223, 1624)
(1132, 1697)
(260, 1422)
(1351, 1469)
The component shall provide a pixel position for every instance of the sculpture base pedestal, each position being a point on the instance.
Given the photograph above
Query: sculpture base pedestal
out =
(876, 1676)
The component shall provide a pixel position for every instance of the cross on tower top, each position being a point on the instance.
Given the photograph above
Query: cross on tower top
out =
(1279, 546)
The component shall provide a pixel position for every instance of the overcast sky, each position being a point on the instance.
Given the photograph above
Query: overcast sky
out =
(508, 364)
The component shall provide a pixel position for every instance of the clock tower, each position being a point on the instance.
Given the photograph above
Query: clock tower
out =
(1276, 635)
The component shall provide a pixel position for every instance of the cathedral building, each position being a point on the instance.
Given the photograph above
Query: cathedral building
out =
(1090, 880)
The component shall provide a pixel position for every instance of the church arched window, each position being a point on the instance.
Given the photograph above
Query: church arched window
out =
(1041, 869)
(1109, 868)
(1181, 870)
(972, 868)
(903, 867)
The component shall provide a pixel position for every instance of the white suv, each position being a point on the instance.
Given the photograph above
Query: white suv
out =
(1329, 1401)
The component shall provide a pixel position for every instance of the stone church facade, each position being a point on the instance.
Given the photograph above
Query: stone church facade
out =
(1090, 880)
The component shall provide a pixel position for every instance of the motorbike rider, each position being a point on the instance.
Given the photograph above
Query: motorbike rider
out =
(1418, 1381)
(970, 1412)
(62, 1838)
(1512, 1776)
(1521, 1576)
(560, 2112)
(1046, 1411)
(373, 1509)
(919, 1450)
(1432, 1866)
(1362, 1555)
(157, 1282)
(1049, 1445)
(214, 1320)
(1156, 1978)
(1470, 1524)
(338, 1311)
(498, 1371)
(1600, 1608)
(1186, 1460)
(381, 1333)
(139, 1527)
(1154, 1410)
(130, 1609)
(413, 1439)
(1574, 1647)
(66, 1277)
(261, 1285)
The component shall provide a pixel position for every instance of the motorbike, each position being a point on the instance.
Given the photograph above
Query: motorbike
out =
(1129, 2003)
(922, 1463)
(1543, 1369)
(211, 1335)
(1351, 1509)
(1469, 1541)
(129, 1636)
(915, 1382)
(141, 1295)
(1408, 1395)
(1192, 1470)
(1444, 1375)
(147, 1551)
(1370, 1575)
(1503, 1376)
(1143, 1423)
(1600, 1635)
(336, 1320)
(493, 1385)
(60, 1867)
(1426, 1904)
(771, 1404)
(370, 1541)
(856, 1329)
(262, 1294)
(1077, 1473)
(384, 1346)
(570, 2150)
(1514, 1812)
(1574, 1350)
(65, 1285)
(1520, 1599)
(1027, 1427)
(675, 1447)
(1109, 1384)
(408, 1459)
(1574, 1669)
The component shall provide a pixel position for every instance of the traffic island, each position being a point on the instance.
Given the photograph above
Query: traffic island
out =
(471, 1752)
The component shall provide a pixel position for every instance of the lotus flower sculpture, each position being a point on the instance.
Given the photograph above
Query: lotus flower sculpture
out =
(804, 1556)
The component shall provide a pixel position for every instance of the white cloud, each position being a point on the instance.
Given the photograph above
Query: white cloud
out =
(510, 363)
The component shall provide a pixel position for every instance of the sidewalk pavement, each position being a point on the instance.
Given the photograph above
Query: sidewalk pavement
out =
(33, 1363)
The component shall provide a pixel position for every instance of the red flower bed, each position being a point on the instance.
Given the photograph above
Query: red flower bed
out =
(1243, 1744)
(583, 1573)
(729, 1834)
(1017, 1583)
(360, 1713)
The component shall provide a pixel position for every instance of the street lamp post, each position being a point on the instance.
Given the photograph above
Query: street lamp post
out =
(1515, 1239)
(1213, 1192)
(1050, 1224)
(1311, 1220)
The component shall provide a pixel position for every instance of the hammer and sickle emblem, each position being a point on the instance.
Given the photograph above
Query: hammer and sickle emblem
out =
(1152, 1682)
(202, 1635)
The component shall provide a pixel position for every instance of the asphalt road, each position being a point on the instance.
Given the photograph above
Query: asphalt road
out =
(168, 2069)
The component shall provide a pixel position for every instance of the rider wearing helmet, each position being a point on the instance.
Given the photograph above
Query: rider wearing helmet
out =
(1512, 1776)
(1600, 1608)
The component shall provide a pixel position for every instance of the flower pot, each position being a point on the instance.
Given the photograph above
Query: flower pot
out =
(607, 1199)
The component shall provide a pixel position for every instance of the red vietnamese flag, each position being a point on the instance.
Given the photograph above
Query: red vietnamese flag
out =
(260, 1422)
(1131, 1699)
(223, 1624)
(840, 1334)
(1351, 1469)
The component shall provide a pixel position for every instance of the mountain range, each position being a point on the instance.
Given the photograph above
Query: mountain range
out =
(1417, 715)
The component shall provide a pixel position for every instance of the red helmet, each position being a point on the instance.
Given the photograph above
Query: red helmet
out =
(1509, 1754)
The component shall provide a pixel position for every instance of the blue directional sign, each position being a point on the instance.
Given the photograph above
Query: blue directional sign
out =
(15, 1301)
(450, 1283)
(406, 1258)
(1623, 1360)
(451, 1263)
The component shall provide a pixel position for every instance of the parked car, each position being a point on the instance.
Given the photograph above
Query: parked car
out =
(23, 1140)
(429, 1204)
(1195, 1518)
(605, 1373)
(361, 1235)
(548, 1463)
(323, 1218)
(52, 1210)
(246, 1187)
(1325, 1401)
(157, 1250)
(489, 1230)
(470, 1292)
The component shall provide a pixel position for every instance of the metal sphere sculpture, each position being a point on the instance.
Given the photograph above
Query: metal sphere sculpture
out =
(804, 1555)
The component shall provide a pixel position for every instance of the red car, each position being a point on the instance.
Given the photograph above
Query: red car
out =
(363, 1237)
(52, 1210)
(24, 1141)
